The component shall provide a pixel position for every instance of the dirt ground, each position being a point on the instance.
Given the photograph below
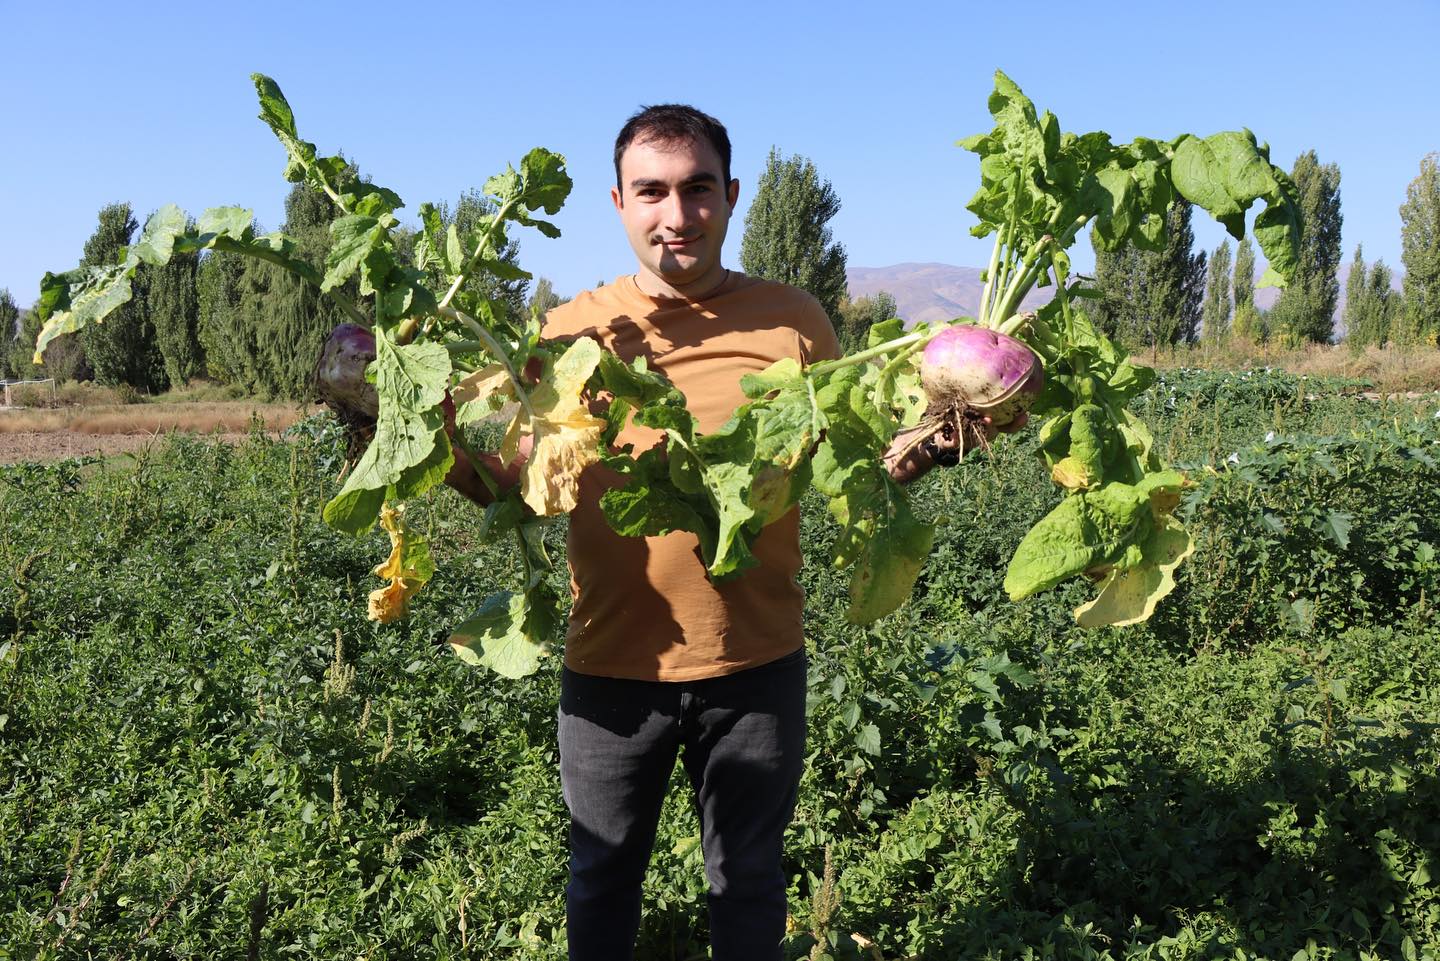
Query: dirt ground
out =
(17, 448)
(46, 434)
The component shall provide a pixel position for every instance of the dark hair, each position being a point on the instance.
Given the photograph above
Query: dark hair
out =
(673, 123)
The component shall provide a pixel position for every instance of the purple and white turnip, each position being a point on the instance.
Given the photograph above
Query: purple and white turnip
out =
(340, 375)
(975, 380)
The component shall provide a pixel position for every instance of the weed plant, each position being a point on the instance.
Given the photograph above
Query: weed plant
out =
(206, 750)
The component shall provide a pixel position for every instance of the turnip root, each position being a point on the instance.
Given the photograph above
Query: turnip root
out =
(340, 376)
(973, 378)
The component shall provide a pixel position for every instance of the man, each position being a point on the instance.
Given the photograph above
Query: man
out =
(659, 661)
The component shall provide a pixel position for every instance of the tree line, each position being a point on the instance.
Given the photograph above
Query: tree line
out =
(255, 325)
(1177, 296)
(224, 317)
(1146, 298)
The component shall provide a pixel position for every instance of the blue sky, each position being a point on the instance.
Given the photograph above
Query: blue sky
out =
(152, 103)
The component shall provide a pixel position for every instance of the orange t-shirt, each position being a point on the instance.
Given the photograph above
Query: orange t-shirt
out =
(644, 607)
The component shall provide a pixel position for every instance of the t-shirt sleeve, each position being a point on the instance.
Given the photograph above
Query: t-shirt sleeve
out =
(817, 335)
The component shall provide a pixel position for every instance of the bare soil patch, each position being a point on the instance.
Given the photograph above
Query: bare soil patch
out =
(40, 434)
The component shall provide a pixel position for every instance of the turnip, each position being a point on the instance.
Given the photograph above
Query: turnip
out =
(340, 375)
(973, 377)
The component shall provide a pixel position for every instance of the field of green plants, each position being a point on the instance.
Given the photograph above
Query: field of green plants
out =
(207, 751)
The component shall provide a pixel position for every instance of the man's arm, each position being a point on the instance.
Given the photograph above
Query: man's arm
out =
(464, 476)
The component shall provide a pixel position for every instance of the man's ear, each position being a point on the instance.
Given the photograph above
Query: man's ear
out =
(732, 193)
(617, 198)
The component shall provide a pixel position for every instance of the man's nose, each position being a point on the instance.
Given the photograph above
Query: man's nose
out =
(678, 214)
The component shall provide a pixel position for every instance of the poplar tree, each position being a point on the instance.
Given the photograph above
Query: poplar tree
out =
(787, 237)
(1215, 315)
(122, 349)
(1247, 322)
(1152, 297)
(1306, 308)
(1384, 304)
(9, 334)
(1357, 333)
(1420, 251)
(1372, 306)
(544, 298)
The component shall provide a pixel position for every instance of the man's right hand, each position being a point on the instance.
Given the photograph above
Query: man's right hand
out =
(463, 473)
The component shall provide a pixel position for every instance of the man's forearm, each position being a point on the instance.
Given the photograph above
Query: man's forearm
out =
(464, 478)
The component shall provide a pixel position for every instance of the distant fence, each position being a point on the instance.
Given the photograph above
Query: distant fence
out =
(7, 385)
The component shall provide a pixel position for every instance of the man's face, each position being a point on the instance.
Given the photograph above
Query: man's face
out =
(675, 208)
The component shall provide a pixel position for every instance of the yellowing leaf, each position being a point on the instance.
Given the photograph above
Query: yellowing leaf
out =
(479, 394)
(566, 435)
(391, 602)
(407, 568)
(1073, 474)
(1128, 595)
(492, 379)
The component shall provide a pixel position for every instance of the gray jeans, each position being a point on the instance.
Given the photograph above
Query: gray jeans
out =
(741, 738)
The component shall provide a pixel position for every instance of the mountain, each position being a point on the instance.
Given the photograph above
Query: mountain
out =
(930, 292)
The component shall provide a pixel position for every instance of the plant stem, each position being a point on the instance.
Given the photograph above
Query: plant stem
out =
(479, 248)
(1030, 271)
(492, 346)
(879, 350)
(990, 276)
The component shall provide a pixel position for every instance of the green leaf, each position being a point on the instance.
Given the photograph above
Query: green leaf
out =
(275, 111)
(1226, 173)
(455, 254)
(1337, 527)
(546, 182)
(353, 511)
(409, 450)
(867, 739)
(353, 238)
(1087, 530)
(509, 634)
(229, 221)
(1118, 212)
(783, 373)
(1093, 442)
(892, 555)
(157, 240)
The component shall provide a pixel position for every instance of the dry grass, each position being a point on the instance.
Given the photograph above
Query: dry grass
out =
(226, 417)
(1389, 370)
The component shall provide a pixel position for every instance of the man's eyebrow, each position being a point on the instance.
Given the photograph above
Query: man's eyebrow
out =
(704, 177)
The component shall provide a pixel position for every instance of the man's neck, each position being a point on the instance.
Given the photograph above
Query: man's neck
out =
(653, 285)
